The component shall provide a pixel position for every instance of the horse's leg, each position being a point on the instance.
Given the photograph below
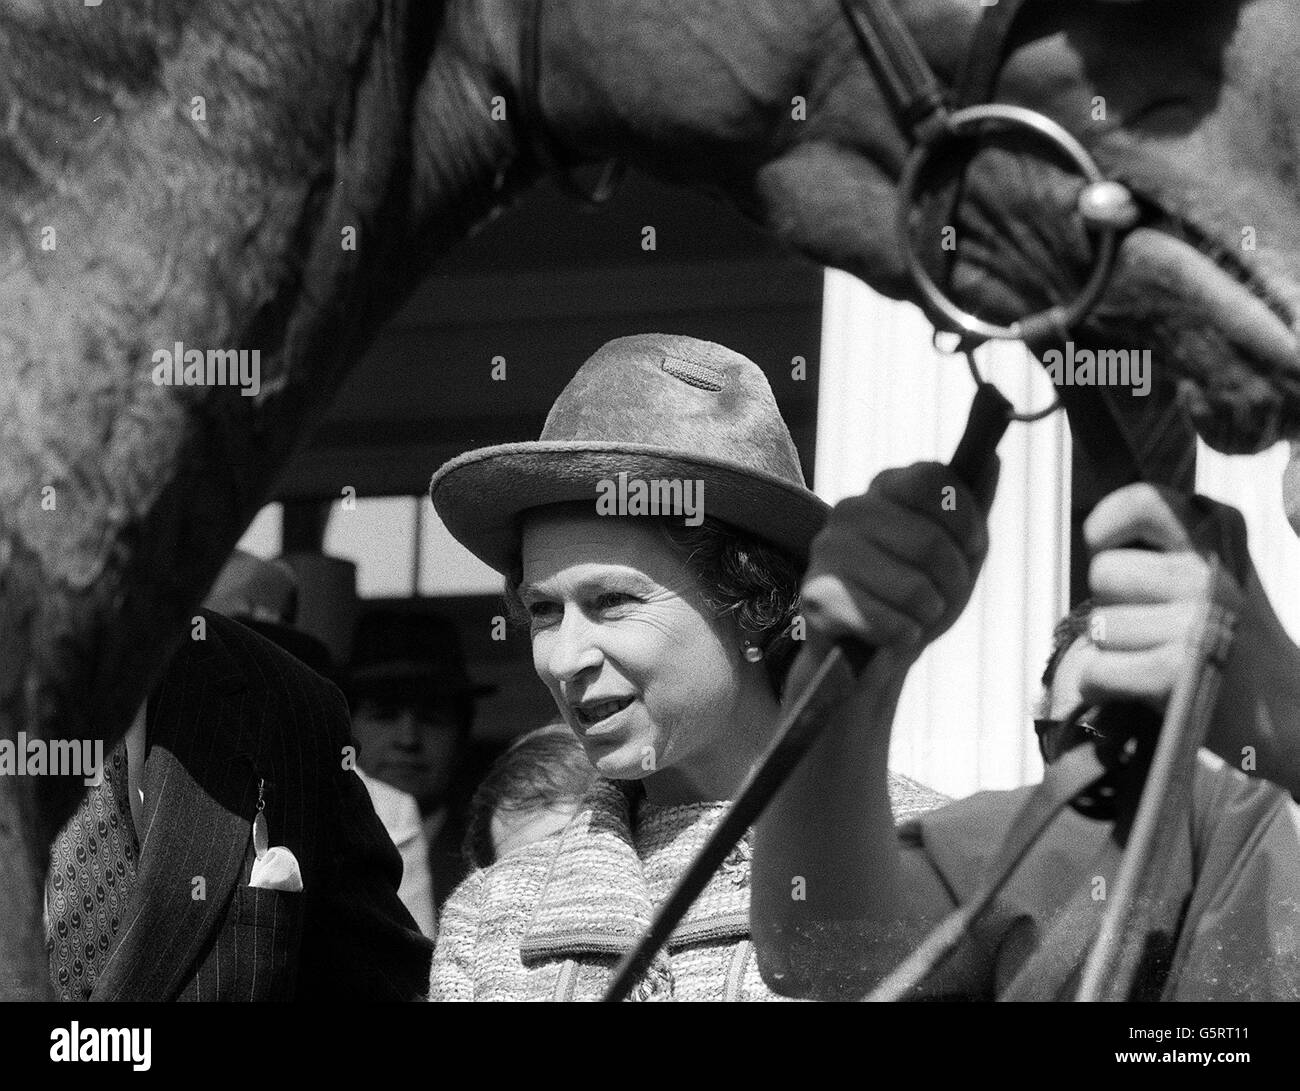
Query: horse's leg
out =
(223, 245)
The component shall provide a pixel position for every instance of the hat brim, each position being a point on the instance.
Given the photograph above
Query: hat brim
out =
(381, 675)
(304, 647)
(481, 495)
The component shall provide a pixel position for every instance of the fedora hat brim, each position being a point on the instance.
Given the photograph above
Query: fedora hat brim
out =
(410, 672)
(481, 494)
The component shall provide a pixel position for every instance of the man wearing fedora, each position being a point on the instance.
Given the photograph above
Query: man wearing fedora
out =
(413, 704)
(230, 853)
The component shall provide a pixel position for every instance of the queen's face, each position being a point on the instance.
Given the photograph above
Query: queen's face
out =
(652, 685)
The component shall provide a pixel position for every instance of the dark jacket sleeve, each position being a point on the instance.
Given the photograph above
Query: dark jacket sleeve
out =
(1233, 897)
(954, 846)
(1240, 937)
(360, 943)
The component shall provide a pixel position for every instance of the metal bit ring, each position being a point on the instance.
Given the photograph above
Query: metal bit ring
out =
(1054, 321)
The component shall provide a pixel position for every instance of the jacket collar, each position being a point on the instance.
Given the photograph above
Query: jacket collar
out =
(596, 900)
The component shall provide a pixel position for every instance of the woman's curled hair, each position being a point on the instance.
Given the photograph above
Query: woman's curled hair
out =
(755, 583)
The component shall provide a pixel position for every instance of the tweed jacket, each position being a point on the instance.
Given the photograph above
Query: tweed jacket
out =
(550, 921)
(234, 710)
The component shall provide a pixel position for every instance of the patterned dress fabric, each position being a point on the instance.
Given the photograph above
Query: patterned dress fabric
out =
(92, 869)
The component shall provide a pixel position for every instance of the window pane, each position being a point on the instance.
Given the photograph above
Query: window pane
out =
(446, 566)
(264, 533)
(377, 533)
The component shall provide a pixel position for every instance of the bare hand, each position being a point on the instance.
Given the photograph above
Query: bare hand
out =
(1147, 601)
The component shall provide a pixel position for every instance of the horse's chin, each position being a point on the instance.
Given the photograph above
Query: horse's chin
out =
(1228, 341)
(1237, 426)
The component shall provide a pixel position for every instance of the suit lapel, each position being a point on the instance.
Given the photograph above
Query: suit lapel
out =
(200, 791)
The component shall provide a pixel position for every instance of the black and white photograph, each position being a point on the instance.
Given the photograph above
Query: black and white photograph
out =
(650, 500)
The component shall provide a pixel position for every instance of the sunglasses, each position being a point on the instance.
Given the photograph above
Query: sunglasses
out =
(1045, 725)
(1050, 731)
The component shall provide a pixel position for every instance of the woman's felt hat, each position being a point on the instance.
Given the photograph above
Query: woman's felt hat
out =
(656, 408)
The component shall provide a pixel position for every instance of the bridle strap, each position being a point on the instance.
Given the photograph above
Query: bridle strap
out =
(899, 64)
(978, 79)
(906, 75)
(533, 135)
(987, 52)
(921, 104)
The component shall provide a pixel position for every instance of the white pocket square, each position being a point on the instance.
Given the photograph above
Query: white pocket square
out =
(276, 869)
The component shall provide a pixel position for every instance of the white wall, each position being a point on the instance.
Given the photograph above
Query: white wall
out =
(377, 534)
(886, 399)
(1253, 485)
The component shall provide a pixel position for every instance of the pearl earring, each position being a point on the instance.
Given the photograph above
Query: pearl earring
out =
(753, 653)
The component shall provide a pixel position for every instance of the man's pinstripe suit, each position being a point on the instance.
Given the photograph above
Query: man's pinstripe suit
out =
(233, 710)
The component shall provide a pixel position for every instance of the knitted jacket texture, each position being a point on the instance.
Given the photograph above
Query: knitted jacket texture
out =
(550, 921)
